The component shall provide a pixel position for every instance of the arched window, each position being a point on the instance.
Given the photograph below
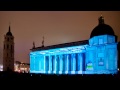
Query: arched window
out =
(7, 54)
(7, 46)
(4, 46)
(7, 39)
(11, 47)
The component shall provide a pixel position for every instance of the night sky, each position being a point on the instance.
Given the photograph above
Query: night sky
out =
(56, 26)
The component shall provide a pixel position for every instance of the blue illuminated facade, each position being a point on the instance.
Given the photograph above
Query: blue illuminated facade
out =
(98, 55)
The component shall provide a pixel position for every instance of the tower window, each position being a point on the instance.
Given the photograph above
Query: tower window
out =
(7, 46)
(7, 39)
(4, 46)
(7, 54)
(11, 47)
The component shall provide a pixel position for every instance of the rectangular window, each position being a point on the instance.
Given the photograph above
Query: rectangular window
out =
(100, 62)
(100, 41)
(100, 54)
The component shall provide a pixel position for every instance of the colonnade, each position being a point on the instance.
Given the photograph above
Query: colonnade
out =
(63, 63)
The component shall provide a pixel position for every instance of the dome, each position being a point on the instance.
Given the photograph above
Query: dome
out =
(9, 32)
(102, 29)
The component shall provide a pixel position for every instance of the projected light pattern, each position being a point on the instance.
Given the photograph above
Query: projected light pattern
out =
(68, 50)
(99, 57)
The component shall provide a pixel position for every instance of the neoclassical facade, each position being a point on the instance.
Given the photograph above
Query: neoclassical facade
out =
(98, 55)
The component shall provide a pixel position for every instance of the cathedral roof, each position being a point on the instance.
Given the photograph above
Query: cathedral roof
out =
(102, 29)
(84, 42)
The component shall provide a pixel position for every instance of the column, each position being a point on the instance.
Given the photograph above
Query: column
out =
(52, 59)
(73, 64)
(47, 64)
(50, 64)
(54, 64)
(74, 60)
(44, 62)
(67, 64)
(79, 63)
(57, 63)
(34, 68)
(83, 63)
(69, 60)
(63, 63)
(37, 63)
(32, 63)
(60, 64)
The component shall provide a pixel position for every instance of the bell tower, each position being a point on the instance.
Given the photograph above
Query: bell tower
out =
(8, 51)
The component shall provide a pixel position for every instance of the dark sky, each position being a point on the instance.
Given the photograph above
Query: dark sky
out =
(56, 26)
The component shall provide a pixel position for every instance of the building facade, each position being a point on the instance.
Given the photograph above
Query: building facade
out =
(98, 55)
(8, 52)
(21, 67)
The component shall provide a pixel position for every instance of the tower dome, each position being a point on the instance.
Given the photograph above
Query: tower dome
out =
(9, 32)
(102, 28)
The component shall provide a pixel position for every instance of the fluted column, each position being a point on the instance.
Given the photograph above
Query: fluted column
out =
(50, 64)
(67, 64)
(44, 62)
(60, 64)
(32, 58)
(57, 63)
(37, 63)
(79, 63)
(69, 58)
(73, 64)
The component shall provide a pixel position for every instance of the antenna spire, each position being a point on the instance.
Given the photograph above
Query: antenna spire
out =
(101, 19)
(43, 42)
(101, 15)
(33, 44)
(9, 26)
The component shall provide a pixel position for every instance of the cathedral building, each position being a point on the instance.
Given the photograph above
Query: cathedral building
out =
(8, 52)
(98, 55)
